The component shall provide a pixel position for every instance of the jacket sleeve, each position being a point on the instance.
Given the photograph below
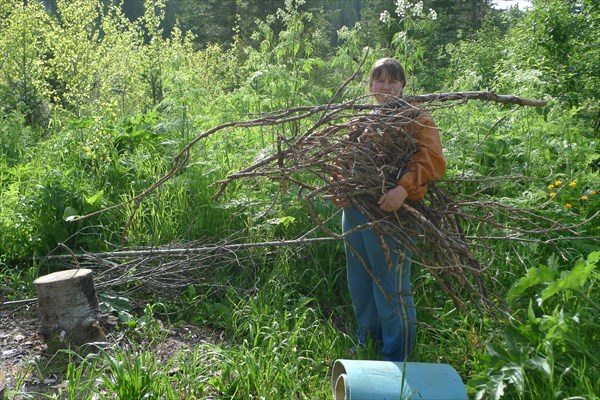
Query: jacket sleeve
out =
(428, 163)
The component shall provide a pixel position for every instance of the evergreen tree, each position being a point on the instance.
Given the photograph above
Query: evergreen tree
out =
(218, 21)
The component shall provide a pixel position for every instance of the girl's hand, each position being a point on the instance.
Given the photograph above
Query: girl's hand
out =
(393, 199)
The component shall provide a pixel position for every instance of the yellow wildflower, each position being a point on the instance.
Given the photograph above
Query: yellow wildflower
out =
(552, 194)
(593, 192)
(550, 186)
(572, 183)
(568, 205)
(558, 183)
(584, 197)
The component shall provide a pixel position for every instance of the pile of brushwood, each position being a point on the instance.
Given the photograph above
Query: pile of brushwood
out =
(366, 162)
(357, 157)
(356, 152)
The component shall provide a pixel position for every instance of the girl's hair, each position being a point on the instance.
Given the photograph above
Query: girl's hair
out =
(389, 65)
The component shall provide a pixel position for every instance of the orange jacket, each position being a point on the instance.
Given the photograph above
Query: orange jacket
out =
(428, 163)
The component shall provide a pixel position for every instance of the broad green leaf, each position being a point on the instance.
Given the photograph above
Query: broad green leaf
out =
(479, 395)
(95, 199)
(497, 351)
(515, 375)
(531, 314)
(516, 343)
(496, 387)
(534, 277)
(573, 280)
(593, 257)
(115, 303)
(70, 214)
(540, 364)
(124, 316)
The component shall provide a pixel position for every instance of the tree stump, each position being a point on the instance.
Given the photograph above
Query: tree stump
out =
(68, 308)
(2, 386)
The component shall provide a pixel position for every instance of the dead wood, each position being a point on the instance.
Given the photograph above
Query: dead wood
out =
(359, 142)
(465, 96)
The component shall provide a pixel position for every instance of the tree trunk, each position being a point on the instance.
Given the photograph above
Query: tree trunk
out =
(69, 309)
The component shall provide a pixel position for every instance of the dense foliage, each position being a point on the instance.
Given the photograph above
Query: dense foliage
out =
(94, 105)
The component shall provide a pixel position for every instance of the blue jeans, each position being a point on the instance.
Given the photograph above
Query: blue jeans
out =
(380, 289)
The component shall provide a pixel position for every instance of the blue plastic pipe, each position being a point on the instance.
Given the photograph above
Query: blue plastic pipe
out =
(387, 380)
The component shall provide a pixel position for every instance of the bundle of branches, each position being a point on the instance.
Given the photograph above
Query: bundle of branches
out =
(357, 153)
(163, 270)
(365, 149)
(359, 159)
(168, 270)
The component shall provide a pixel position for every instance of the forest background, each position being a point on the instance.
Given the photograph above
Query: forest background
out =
(98, 98)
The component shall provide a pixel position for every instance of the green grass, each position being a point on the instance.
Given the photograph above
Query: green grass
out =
(273, 341)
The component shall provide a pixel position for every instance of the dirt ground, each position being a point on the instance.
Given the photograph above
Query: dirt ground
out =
(20, 344)
(23, 358)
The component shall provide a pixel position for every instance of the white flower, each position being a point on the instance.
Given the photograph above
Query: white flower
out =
(401, 8)
(343, 32)
(385, 17)
(418, 9)
(257, 74)
(401, 36)
(432, 14)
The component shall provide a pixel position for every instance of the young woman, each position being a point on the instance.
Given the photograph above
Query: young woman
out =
(380, 290)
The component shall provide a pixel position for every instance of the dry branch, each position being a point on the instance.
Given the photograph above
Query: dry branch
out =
(465, 96)
(183, 251)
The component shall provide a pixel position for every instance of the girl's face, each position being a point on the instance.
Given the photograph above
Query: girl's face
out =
(386, 88)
